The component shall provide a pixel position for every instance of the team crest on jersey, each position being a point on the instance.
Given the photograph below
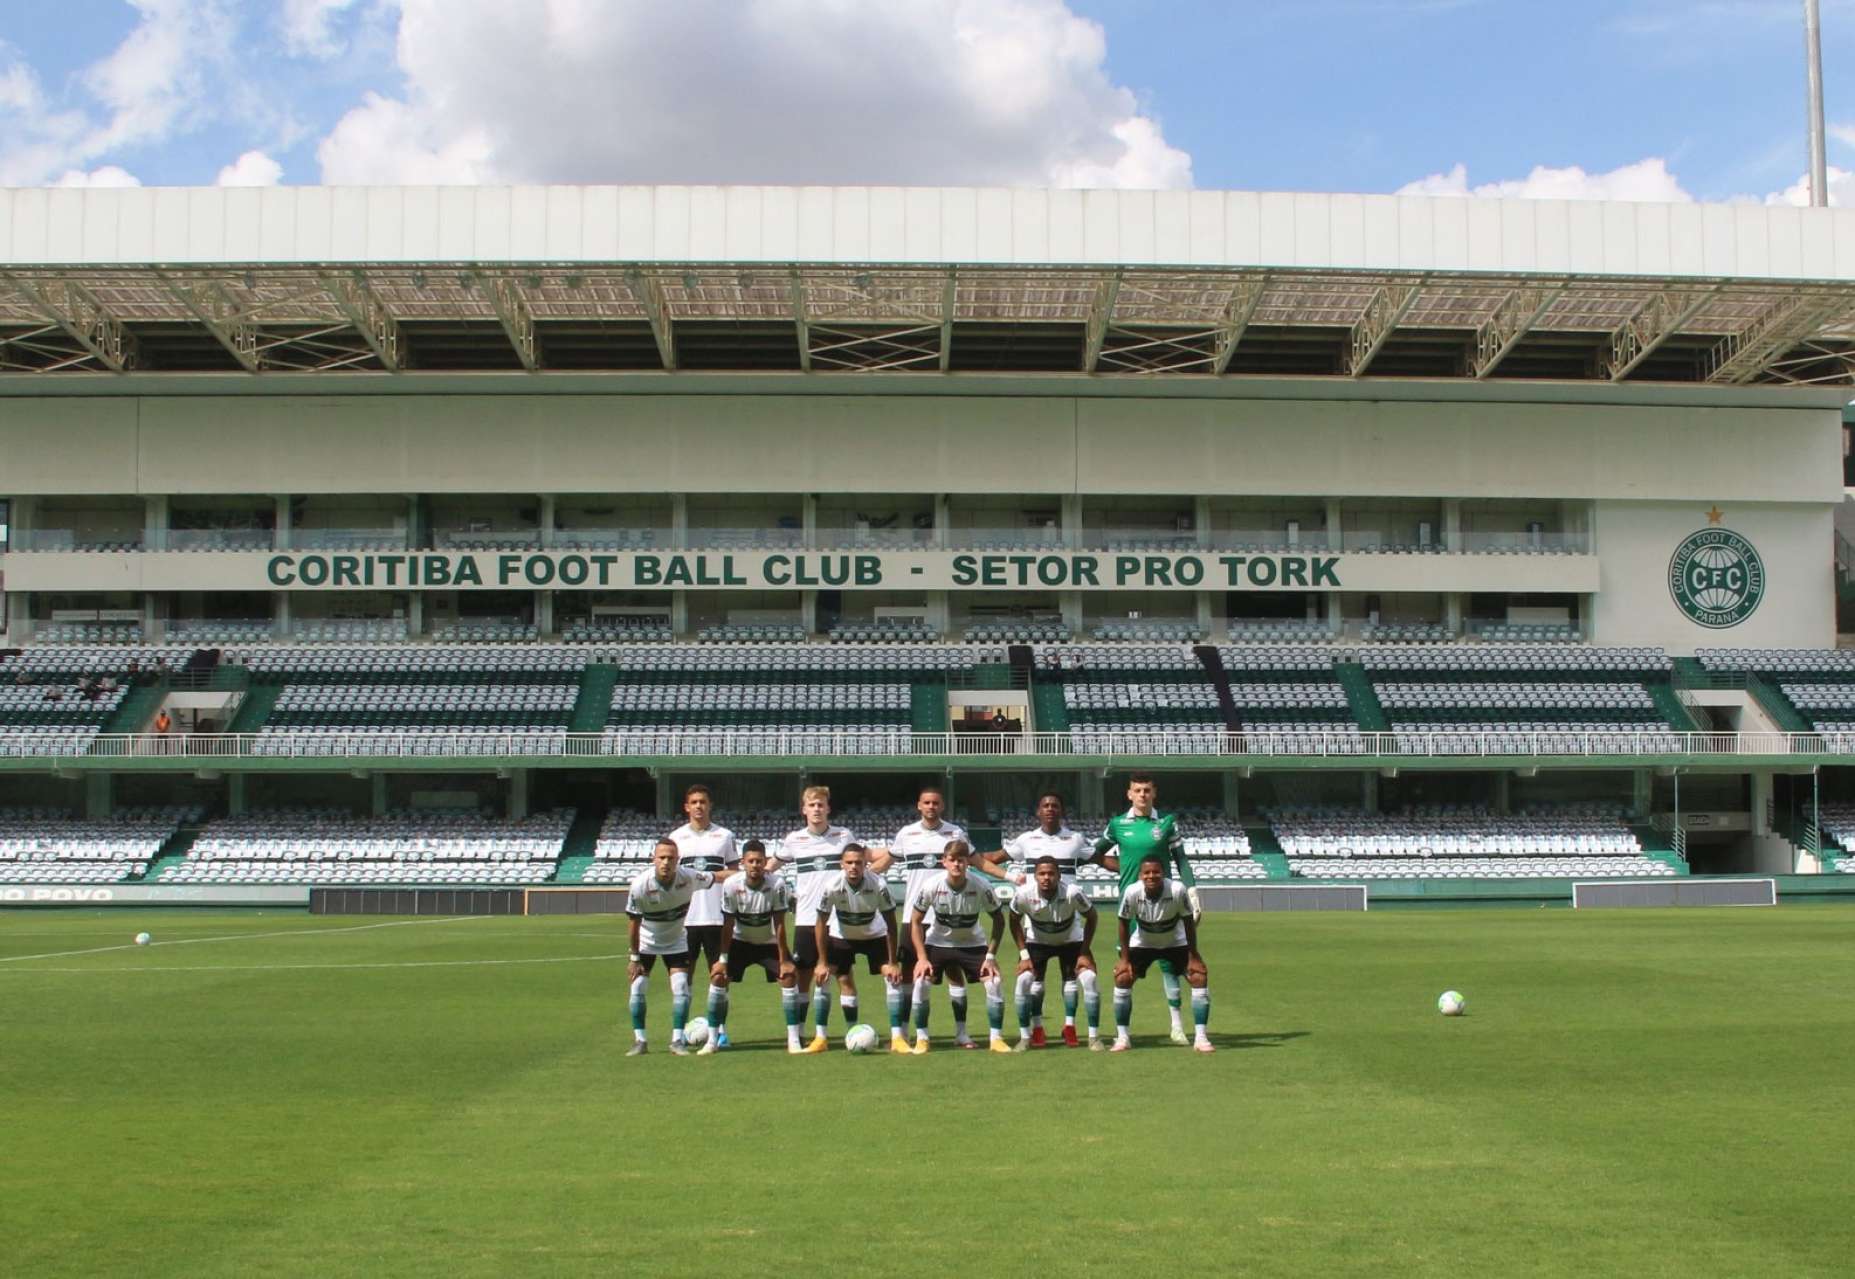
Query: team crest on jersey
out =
(1716, 578)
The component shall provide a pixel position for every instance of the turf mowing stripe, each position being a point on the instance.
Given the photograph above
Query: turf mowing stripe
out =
(289, 932)
(284, 968)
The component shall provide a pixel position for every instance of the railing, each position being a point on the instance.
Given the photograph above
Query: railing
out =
(64, 539)
(1079, 743)
(219, 539)
(347, 539)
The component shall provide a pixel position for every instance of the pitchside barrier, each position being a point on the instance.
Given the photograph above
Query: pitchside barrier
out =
(415, 901)
(1612, 893)
(153, 894)
(611, 901)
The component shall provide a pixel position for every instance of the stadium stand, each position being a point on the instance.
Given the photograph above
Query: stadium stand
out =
(53, 718)
(1241, 632)
(1463, 699)
(888, 632)
(1136, 697)
(1448, 841)
(45, 846)
(329, 846)
(1290, 700)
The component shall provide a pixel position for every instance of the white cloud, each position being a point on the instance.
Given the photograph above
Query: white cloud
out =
(309, 27)
(1645, 180)
(159, 72)
(107, 175)
(777, 91)
(143, 91)
(252, 169)
(1843, 133)
(1841, 190)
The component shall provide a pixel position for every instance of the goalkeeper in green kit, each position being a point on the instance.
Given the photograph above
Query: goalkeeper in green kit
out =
(1143, 832)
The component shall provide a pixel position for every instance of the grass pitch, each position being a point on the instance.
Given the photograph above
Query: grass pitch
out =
(1646, 1092)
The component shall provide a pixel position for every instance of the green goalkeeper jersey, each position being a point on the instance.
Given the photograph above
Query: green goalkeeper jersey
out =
(1134, 838)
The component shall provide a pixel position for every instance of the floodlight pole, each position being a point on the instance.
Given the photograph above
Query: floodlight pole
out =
(1813, 61)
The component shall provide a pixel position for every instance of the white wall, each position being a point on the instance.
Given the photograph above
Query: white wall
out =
(1636, 539)
(965, 445)
(920, 225)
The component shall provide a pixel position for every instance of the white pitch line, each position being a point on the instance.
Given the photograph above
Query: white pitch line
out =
(288, 932)
(282, 968)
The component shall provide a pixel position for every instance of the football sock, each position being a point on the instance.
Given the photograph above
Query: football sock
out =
(1023, 994)
(849, 1004)
(898, 1018)
(638, 986)
(995, 1007)
(789, 1004)
(921, 1008)
(718, 1008)
(821, 1009)
(1170, 982)
(1069, 1003)
(956, 999)
(679, 1003)
(1123, 1010)
(1201, 1009)
(1037, 1003)
(1091, 998)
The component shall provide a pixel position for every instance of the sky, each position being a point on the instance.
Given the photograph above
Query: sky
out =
(1620, 99)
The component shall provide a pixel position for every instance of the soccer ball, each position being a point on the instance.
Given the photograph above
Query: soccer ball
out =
(142, 939)
(860, 1038)
(1450, 1003)
(696, 1033)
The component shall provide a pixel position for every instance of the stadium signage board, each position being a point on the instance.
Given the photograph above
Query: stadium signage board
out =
(1716, 578)
(930, 570)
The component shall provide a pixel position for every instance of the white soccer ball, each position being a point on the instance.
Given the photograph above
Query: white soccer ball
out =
(696, 1033)
(1450, 1003)
(860, 1038)
(142, 939)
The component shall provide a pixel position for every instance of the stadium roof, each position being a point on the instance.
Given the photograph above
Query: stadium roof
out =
(879, 281)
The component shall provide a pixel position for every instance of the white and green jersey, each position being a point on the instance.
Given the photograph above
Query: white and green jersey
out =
(752, 909)
(813, 859)
(1056, 920)
(710, 849)
(856, 910)
(661, 908)
(916, 849)
(1158, 922)
(1071, 850)
(952, 915)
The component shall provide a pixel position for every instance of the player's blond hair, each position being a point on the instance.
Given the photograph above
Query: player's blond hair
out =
(815, 792)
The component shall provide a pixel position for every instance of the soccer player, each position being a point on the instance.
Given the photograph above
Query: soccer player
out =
(953, 947)
(705, 846)
(753, 935)
(1156, 926)
(918, 846)
(814, 851)
(856, 916)
(1052, 838)
(1135, 835)
(1062, 927)
(656, 905)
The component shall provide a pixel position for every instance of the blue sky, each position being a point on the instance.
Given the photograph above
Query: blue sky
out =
(1631, 98)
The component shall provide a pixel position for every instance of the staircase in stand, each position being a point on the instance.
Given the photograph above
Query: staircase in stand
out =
(595, 700)
(576, 851)
(172, 853)
(1213, 663)
(1368, 712)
